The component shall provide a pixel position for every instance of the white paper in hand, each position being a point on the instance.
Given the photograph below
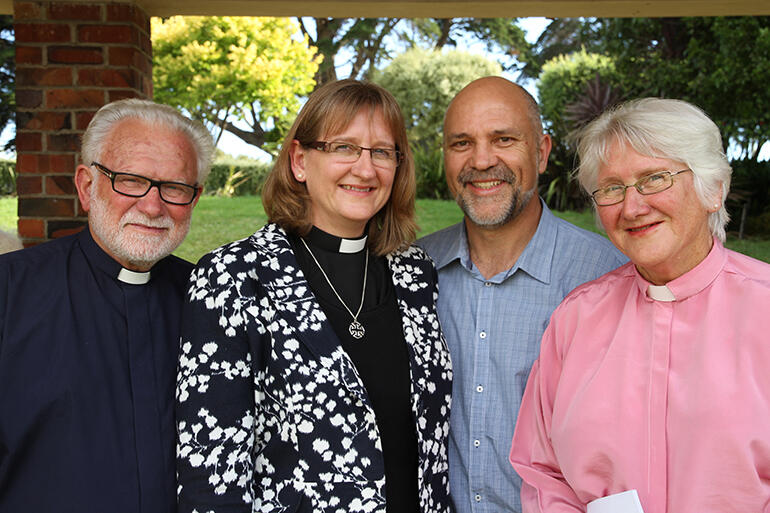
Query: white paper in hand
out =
(623, 502)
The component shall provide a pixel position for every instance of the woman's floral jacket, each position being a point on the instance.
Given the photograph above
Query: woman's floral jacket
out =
(271, 413)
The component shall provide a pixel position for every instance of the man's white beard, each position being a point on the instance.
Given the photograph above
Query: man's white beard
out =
(141, 250)
(505, 208)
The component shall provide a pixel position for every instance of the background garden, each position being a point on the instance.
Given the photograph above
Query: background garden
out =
(245, 78)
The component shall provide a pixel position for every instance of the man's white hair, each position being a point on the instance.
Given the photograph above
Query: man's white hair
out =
(151, 113)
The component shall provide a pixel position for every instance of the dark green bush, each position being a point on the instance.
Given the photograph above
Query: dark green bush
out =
(7, 177)
(572, 89)
(429, 170)
(750, 189)
(237, 177)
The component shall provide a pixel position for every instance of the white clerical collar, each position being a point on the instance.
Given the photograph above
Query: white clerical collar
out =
(352, 245)
(133, 277)
(660, 293)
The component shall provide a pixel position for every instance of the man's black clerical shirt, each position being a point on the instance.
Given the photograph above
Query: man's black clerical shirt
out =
(87, 377)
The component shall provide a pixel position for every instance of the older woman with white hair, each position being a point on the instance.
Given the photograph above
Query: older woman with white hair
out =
(652, 390)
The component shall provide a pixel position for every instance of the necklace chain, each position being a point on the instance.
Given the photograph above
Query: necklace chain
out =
(356, 329)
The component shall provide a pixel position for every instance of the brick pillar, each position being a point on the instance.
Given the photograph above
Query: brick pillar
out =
(71, 58)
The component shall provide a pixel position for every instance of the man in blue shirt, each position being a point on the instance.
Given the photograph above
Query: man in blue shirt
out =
(89, 325)
(502, 272)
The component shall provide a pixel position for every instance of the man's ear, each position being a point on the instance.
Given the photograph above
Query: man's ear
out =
(297, 155)
(544, 150)
(197, 196)
(84, 183)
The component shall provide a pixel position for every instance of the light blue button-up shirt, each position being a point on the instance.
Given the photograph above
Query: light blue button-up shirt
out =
(493, 328)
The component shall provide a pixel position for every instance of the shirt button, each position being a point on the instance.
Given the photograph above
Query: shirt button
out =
(477, 497)
(476, 443)
(487, 284)
(479, 389)
(483, 334)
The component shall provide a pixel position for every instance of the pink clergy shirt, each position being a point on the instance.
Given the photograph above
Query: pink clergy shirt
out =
(670, 397)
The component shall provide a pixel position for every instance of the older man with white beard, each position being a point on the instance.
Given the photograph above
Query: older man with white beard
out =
(502, 272)
(89, 325)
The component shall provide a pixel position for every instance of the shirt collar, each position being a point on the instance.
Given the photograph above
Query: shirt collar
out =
(535, 260)
(537, 257)
(329, 242)
(690, 283)
(105, 263)
(133, 277)
(456, 248)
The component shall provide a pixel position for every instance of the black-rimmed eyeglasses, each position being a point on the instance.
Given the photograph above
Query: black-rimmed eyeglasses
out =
(650, 184)
(349, 153)
(136, 186)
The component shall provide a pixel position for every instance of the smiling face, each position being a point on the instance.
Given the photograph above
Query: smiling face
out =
(137, 232)
(344, 196)
(664, 234)
(493, 152)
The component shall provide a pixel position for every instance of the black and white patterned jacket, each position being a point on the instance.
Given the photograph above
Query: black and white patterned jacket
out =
(271, 413)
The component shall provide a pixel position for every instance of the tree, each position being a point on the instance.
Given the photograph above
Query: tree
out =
(562, 36)
(363, 37)
(501, 36)
(424, 82)
(564, 82)
(7, 77)
(370, 41)
(227, 69)
(721, 64)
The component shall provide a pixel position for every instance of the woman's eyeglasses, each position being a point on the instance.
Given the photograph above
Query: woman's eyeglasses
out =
(349, 153)
(650, 184)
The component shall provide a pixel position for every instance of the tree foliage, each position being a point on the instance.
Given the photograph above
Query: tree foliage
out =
(563, 83)
(502, 37)
(721, 64)
(424, 82)
(562, 36)
(7, 77)
(362, 38)
(368, 42)
(226, 69)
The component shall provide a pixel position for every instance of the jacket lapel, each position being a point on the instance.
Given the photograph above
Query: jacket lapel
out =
(297, 311)
(415, 302)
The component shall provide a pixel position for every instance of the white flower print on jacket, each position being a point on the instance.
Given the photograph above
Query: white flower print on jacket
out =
(271, 413)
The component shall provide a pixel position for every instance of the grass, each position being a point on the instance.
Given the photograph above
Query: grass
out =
(8, 213)
(217, 221)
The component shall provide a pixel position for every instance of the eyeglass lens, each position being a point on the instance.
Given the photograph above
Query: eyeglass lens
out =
(171, 192)
(647, 185)
(349, 152)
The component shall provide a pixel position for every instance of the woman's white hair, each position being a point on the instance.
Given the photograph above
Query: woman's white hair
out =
(662, 128)
(151, 113)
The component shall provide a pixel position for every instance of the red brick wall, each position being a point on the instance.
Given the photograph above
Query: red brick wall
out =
(71, 58)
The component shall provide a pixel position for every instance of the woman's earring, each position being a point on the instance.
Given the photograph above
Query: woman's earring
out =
(300, 176)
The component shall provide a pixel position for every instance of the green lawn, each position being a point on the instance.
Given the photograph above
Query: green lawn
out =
(8, 213)
(217, 221)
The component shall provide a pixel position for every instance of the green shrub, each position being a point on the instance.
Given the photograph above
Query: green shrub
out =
(566, 82)
(237, 177)
(429, 169)
(750, 188)
(7, 177)
(757, 225)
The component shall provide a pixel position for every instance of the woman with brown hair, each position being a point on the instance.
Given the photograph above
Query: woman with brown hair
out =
(313, 372)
